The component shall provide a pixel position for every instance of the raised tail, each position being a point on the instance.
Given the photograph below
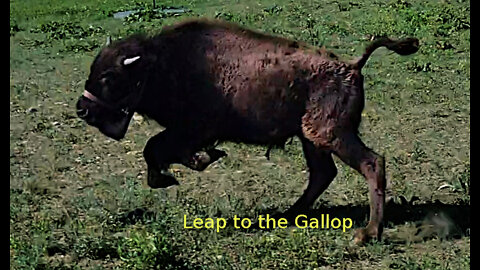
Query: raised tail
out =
(403, 47)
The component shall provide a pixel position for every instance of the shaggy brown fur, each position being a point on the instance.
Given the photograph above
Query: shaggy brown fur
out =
(208, 81)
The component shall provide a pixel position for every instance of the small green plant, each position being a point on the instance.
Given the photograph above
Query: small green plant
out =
(451, 20)
(149, 14)
(418, 153)
(462, 183)
(421, 67)
(273, 9)
(95, 248)
(227, 16)
(347, 6)
(144, 249)
(66, 30)
(400, 4)
(80, 46)
(144, 15)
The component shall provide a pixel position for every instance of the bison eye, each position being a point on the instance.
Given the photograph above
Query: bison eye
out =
(109, 74)
(103, 81)
(107, 78)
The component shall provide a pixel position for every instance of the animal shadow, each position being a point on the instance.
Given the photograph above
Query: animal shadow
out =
(424, 220)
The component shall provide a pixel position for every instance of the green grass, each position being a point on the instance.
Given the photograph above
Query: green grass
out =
(78, 200)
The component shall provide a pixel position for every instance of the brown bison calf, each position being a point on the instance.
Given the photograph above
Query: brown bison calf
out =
(209, 81)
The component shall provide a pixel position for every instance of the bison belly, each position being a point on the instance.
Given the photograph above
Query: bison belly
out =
(266, 112)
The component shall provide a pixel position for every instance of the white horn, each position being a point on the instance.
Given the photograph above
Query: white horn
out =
(128, 61)
(109, 41)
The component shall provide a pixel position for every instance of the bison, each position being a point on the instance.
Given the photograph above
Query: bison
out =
(208, 81)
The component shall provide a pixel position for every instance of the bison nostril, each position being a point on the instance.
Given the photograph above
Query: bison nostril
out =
(82, 113)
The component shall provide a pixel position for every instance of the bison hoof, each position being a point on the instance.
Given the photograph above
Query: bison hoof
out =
(201, 159)
(365, 235)
(160, 179)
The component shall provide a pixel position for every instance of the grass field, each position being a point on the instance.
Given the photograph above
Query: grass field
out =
(78, 200)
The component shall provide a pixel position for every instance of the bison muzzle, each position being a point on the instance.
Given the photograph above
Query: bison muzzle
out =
(209, 81)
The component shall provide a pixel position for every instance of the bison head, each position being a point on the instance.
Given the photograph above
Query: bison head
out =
(114, 87)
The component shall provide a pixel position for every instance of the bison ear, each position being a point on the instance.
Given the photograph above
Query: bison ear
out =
(131, 60)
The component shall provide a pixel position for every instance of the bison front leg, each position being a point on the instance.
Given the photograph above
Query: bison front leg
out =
(351, 150)
(170, 147)
(159, 153)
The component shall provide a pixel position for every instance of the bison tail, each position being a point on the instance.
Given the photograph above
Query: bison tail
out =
(403, 47)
